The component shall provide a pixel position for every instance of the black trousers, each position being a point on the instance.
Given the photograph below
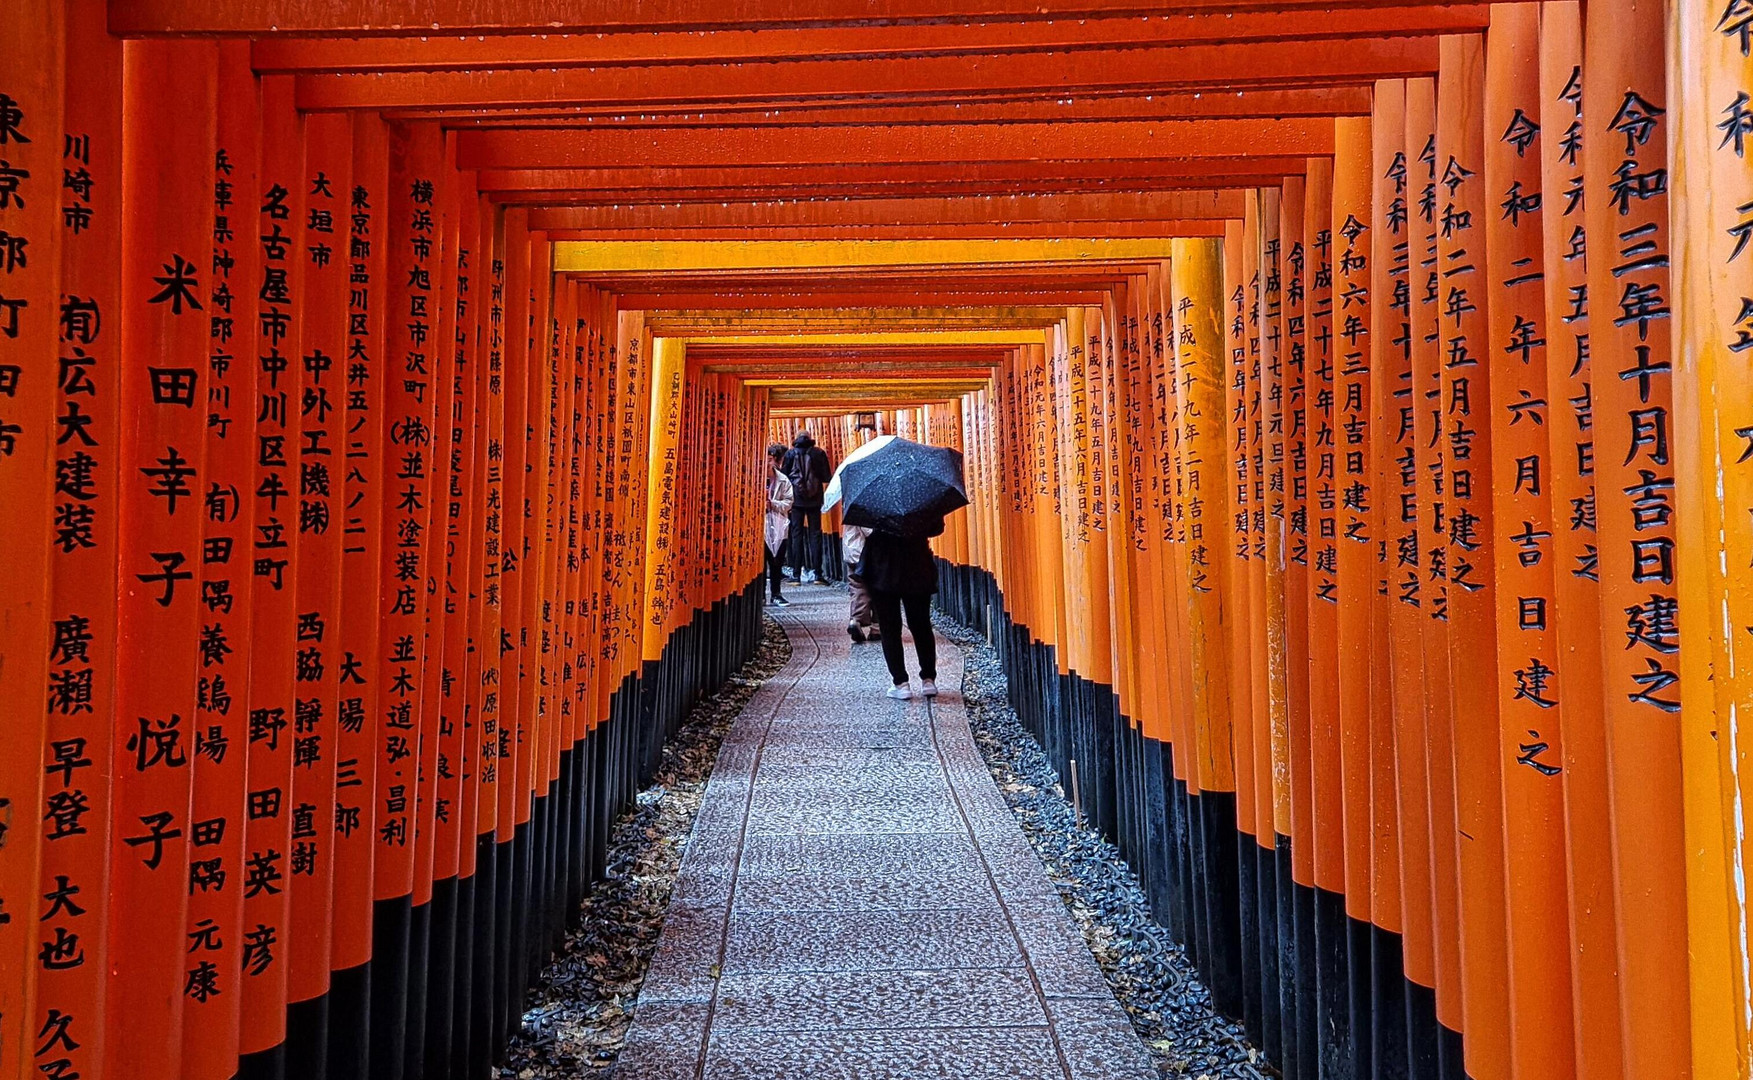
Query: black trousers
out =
(775, 568)
(888, 607)
(806, 540)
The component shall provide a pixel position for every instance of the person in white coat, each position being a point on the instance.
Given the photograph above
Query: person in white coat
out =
(862, 625)
(776, 525)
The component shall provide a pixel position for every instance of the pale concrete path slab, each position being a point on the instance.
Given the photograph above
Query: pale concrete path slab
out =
(857, 902)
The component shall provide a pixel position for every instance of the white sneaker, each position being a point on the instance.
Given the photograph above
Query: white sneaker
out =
(789, 574)
(900, 692)
(809, 577)
(928, 687)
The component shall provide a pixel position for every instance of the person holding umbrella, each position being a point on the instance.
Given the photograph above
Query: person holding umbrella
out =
(900, 575)
(901, 490)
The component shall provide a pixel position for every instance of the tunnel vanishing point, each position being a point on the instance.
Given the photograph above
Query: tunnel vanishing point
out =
(1357, 406)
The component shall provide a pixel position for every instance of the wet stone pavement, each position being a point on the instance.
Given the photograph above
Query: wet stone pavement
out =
(857, 900)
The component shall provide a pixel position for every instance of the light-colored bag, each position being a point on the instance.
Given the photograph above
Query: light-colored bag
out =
(778, 519)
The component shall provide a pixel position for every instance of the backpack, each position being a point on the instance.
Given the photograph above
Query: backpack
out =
(807, 485)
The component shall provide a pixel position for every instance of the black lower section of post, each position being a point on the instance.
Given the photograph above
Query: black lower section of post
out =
(1324, 996)
(307, 1038)
(445, 986)
(349, 1055)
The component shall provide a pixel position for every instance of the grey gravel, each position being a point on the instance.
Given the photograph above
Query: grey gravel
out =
(579, 1013)
(1151, 975)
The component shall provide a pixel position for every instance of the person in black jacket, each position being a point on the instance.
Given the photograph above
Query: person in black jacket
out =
(807, 465)
(900, 574)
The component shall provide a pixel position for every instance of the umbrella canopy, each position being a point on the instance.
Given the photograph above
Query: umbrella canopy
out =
(902, 487)
(831, 496)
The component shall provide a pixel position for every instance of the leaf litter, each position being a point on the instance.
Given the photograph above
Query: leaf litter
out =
(580, 1011)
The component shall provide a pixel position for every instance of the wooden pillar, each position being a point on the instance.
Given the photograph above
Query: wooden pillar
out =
(1355, 501)
(273, 554)
(168, 110)
(73, 820)
(1462, 202)
(1204, 478)
(363, 487)
(1708, 50)
(1576, 614)
(212, 975)
(320, 426)
(1444, 969)
(1625, 181)
(1531, 688)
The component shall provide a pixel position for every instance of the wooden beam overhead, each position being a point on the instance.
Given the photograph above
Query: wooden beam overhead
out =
(289, 55)
(331, 18)
(1094, 143)
(1013, 209)
(985, 108)
(1353, 61)
(628, 186)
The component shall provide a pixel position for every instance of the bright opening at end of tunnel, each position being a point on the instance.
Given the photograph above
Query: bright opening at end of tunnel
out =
(479, 479)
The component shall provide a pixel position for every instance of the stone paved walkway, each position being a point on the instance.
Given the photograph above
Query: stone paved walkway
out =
(857, 901)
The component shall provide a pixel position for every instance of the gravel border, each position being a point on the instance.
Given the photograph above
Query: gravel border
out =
(580, 1011)
(1150, 974)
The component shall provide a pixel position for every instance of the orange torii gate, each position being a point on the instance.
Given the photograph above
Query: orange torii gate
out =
(1352, 397)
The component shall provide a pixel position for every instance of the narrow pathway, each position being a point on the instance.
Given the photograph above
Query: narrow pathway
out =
(857, 901)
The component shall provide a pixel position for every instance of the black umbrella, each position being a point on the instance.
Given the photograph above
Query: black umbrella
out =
(903, 487)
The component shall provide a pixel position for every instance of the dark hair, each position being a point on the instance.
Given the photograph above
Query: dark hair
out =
(775, 450)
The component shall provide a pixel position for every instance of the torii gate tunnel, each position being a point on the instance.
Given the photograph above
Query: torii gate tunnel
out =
(384, 391)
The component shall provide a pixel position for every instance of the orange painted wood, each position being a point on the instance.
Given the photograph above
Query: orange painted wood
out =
(1240, 323)
(1626, 210)
(1278, 64)
(1204, 478)
(212, 977)
(363, 491)
(1531, 690)
(359, 16)
(547, 51)
(1271, 683)
(454, 804)
(1354, 498)
(1297, 450)
(1329, 815)
(74, 821)
(514, 745)
(1710, 279)
(1397, 689)
(167, 231)
(1576, 618)
(1431, 946)
(1462, 206)
(412, 227)
(492, 714)
(273, 553)
(441, 355)
(620, 148)
(321, 426)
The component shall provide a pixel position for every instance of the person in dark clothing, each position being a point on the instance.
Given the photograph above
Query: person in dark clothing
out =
(807, 465)
(775, 521)
(900, 574)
